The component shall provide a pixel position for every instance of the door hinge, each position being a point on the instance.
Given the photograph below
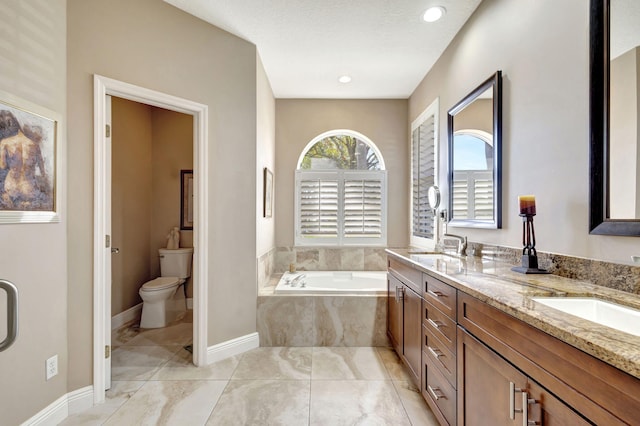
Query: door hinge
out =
(107, 131)
(107, 241)
(107, 351)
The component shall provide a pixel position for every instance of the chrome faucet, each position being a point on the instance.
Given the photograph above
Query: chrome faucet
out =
(462, 243)
(297, 279)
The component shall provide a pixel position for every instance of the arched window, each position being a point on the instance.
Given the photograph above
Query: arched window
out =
(341, 192)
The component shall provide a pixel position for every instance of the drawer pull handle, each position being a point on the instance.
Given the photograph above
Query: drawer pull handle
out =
(526, 401)
(436, 324)
(436, 353)
(435, 393)
(435, 293)
(399, 294)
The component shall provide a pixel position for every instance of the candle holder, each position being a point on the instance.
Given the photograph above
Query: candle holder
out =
(529, 253)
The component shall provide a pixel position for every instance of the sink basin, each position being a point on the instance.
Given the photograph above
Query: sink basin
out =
(599, 311)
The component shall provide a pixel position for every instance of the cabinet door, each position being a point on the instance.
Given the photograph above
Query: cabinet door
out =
(394, 312)
(484, 386)
(547, 410)
(413, 332)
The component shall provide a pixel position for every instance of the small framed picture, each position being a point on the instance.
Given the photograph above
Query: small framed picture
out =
(186, 200)
(28, 161)
(267, 193)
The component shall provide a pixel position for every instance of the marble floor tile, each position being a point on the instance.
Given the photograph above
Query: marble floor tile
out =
(263, 402)
(176, 334)
(347, 364)
(115, 397)
(170, 403)
(275, 364)
(414, 404)
(392, 362)
(355, 402)
(181, 367)
(139, 362)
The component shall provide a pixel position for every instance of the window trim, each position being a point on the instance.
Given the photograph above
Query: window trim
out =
(432, 110)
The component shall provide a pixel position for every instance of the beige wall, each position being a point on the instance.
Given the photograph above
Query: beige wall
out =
(624, 114)
(265, 157)
(172, 152)
(545, 63)
(131, 200)
(154, 45)
(34, 256)
(298, 121)
(149, 148)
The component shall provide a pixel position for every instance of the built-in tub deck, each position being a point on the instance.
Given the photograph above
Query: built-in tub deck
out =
(323, 314)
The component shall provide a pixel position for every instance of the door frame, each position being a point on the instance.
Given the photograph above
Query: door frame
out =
(104, 86)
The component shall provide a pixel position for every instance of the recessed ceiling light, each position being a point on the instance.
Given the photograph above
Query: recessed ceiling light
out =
(344, 79)
(434, 13)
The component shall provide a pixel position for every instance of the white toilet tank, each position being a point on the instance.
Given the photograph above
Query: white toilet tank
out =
(175, 263)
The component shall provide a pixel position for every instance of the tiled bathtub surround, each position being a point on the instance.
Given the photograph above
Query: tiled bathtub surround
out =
(266, 264)
(330, 259)
(612, 275)
(321, 320)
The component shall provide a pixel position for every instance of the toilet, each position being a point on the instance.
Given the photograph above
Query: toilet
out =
(161, 303)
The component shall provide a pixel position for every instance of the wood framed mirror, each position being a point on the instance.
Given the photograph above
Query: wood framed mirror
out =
(475, 157)
(614, 155)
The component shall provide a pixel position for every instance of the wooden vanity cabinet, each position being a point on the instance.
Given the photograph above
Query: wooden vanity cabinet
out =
(494, 392)
(404, 313)
(569, 386)
(439, 348)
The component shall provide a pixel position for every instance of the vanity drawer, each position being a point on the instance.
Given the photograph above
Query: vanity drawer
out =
(441, 295)
(443, 327)
(411, 277)
(440, 395)
(438, 355)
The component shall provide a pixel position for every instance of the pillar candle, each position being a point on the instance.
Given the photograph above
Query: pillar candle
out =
(527, 204)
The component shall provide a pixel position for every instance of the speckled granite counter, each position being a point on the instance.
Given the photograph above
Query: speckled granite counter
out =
(496, 284)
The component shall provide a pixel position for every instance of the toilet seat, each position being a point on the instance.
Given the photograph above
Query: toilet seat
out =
(161, 283)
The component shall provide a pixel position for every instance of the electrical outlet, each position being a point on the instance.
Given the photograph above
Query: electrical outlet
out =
(51, 367)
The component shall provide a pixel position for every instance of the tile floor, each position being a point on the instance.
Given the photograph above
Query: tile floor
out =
(154, 383)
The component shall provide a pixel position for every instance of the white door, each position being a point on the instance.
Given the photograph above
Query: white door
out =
(109, 250)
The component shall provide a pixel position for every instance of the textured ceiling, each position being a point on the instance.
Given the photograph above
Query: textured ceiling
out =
(305, 45)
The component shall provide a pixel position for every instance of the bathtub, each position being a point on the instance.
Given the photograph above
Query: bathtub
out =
(333, 283)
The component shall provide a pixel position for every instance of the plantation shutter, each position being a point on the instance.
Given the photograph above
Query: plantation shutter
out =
(318, 208)
(363, 208)
(341, 208)
(423, 171)
(473, 194)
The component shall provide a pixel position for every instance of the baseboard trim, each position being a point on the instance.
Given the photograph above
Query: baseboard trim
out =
(80, 400)
(58, 410)
(130, 314)
(232, 347)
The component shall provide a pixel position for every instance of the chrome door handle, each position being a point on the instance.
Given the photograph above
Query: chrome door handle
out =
(435, 293)
(435, 393)
(12, 313)
(435, 324)
(115, 250)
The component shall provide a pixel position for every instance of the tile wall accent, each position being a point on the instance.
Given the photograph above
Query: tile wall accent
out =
(612, 275)
(330, 259)
(266, 264)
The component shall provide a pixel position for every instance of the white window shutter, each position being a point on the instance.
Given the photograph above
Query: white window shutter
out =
(318, 208)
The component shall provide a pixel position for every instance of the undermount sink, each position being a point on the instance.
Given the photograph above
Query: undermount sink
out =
(599, 311)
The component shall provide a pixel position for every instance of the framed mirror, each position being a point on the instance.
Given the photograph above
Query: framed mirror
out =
(614, 190)
(475, 157)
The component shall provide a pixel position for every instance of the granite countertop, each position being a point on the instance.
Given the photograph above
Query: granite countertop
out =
(496, 284)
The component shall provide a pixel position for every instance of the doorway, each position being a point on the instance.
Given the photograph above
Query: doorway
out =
(103, 88)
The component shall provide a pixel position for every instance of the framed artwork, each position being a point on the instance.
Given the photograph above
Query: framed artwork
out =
(28, 162)
(186, 200)
(267, 192)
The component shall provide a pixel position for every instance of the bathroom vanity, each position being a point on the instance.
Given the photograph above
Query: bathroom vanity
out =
(483, 351)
